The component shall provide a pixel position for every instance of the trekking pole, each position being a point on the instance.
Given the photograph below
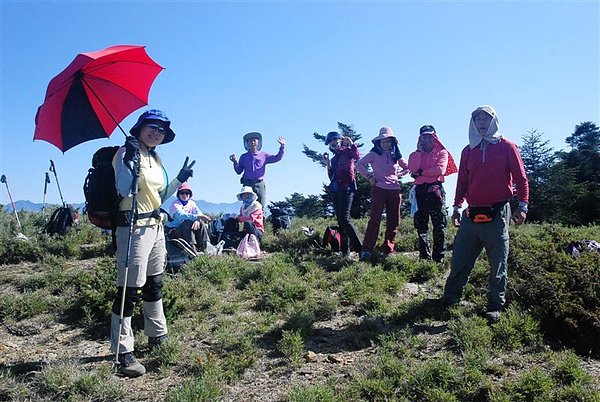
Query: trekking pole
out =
(46, 181)
(132, 215)
(3, 180)
(53, 170)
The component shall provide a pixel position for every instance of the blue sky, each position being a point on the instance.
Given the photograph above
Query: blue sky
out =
(293, 69)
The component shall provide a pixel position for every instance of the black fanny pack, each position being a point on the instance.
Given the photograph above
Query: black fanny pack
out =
(485, 214)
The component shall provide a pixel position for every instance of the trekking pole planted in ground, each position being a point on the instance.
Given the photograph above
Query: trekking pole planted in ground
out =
(53, 170)
(132, 218)
(46, 181)
(20, 235)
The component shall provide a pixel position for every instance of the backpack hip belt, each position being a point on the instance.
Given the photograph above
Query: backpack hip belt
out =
(124, 217)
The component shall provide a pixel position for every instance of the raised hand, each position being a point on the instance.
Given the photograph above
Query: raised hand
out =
(233, 158)
(132, 149)
(186, 171)
(281, 140)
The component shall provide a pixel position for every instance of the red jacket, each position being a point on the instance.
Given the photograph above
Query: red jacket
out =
(486, 177)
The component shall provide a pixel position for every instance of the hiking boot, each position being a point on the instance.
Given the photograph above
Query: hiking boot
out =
(129, 366)
(493, 316)
(448, 304)
(365, 256)
(156, 341)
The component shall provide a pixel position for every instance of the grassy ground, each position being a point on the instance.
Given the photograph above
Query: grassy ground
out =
(302, 324)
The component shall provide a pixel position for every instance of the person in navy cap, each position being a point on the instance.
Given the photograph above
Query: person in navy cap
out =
(342, 187)
(141, 253)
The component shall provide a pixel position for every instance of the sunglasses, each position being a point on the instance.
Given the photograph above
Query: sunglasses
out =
(156, 127)
(185, 193)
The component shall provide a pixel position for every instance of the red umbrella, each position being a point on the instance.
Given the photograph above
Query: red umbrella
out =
(94, 94)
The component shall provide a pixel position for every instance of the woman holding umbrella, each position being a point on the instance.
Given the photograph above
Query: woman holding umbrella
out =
(142, 182)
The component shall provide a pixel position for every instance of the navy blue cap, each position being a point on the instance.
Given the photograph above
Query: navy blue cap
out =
(332, 135)
(156, 115)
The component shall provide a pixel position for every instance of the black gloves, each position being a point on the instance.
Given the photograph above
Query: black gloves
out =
(132, 150)
(186, 171)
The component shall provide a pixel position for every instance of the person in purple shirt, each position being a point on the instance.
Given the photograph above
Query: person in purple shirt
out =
(252, 164)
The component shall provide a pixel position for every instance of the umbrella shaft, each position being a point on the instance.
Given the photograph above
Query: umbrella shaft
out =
(103, 105)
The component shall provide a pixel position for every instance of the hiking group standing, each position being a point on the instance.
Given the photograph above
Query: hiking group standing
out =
(489, 166)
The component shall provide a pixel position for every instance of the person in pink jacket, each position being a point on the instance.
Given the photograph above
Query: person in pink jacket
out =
(428, 166)
(251, 213)
(387, 166)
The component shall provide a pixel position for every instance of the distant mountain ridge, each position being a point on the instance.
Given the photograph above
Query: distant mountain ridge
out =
(205, 206)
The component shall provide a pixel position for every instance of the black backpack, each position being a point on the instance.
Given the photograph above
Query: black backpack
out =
(179, 253)
(101, 198)
(280, 219)
(61, 220)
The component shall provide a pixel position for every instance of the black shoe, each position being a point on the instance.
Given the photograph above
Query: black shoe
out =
(156, 341)
(129, 366)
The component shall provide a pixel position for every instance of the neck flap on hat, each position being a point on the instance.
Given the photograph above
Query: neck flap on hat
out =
(492, 135)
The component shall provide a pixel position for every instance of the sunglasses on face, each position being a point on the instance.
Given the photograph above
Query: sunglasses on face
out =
(156, 127)
(185, 193)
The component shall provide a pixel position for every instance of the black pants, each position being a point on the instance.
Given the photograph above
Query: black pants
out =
(342, 201)
(431, 200)
(197, 238)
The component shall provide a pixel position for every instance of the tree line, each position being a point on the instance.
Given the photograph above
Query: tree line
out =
(564, 185)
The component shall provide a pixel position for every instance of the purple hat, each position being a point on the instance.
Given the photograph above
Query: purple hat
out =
(384, 132)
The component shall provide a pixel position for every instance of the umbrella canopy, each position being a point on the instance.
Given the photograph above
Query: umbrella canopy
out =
(90, 97)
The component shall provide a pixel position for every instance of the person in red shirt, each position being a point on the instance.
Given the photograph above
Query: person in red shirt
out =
(489, 167)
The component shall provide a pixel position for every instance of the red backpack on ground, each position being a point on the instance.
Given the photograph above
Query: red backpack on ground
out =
(332, 238)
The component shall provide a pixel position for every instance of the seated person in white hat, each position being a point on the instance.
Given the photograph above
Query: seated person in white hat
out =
(251, 213)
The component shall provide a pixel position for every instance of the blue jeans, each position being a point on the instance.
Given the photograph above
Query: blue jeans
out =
(470, 240)
(342, 201)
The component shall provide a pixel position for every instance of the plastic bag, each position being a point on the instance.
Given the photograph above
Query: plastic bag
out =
(214, 249)
(249, 247)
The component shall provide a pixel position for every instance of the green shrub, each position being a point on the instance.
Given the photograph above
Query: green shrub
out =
(515, 329)
(532, 385)
(314, 393)
(470, 333)
(291, 346)
(566, 369)
(561, 291)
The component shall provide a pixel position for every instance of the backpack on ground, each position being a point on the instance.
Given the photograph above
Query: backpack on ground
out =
(332, 238)
(179, 252)
(61, 220)
(280, 219)
(101, 198)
